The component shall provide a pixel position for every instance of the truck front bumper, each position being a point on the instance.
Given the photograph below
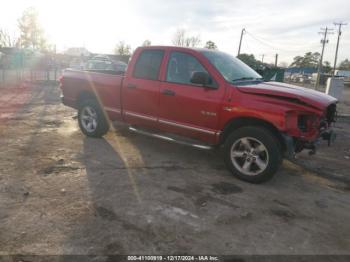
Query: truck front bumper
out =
(295, 145)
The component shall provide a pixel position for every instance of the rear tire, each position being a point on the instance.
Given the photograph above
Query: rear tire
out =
(92, 121)
(253, 154)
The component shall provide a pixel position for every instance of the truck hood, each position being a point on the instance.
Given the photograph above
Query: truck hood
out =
(291, 92)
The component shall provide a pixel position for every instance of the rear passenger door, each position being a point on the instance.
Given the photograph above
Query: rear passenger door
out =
(140, 92)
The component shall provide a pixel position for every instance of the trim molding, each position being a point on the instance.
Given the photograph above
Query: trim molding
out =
(187, 127)
(115, 110)
(151, 118)
(167, 122)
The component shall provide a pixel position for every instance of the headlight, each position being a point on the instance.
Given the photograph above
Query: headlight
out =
(307, 122)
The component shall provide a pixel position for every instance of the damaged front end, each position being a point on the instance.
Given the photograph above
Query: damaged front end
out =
(307, 129)
(306, 115)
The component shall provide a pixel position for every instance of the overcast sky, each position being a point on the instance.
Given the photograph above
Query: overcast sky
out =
(288, 28)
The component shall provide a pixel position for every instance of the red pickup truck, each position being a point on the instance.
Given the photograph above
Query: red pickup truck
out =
(207, 96)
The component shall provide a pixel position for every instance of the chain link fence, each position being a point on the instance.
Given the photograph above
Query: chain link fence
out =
(20, 66)
(11, 77)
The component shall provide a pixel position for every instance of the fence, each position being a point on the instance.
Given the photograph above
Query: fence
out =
(18, 65)
(11, 77)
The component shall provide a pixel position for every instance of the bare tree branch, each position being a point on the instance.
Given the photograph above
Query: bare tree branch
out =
(6, 40)
(180, 39)
(32, 34)
(122, 49)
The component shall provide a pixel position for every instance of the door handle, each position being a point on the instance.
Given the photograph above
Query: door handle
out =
(168, 92)
(131, 86)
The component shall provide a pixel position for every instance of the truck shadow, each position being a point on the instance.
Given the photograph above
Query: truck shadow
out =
(130, 179)
(134, 185)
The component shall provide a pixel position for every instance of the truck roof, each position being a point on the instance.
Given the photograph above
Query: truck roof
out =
(176, 48)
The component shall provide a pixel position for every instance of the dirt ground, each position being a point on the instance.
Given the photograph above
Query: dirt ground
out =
(64, 193)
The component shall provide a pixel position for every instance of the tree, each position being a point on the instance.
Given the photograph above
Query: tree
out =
(181, 39)
(6, 40)
(122, 49)
(31, 32)
(251, 61)
(192, 41)
(308, 60)
(344, 65)
(210, 45)
(146, 43)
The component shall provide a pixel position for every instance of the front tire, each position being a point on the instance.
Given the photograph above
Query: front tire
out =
(92, 121)
(253, 154)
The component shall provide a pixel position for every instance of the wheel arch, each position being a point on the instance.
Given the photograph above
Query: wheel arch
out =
(239, 122)
(86, 98)
(83, 96)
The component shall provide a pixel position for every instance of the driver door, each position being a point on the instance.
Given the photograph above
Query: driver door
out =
(185, 108)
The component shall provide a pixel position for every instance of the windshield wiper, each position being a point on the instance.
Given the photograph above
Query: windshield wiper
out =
(246, 78)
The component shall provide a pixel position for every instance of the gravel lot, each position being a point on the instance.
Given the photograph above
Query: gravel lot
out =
(64, 193)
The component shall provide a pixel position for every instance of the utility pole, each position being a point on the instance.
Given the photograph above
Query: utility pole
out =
(340, 24)
(262, 58)
(276, 59)
(324, 31)
(240, 41)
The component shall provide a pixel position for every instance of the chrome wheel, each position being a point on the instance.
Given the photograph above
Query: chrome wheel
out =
(249, 156)
(88, 119)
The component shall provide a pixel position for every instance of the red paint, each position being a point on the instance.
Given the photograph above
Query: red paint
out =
(194, 111)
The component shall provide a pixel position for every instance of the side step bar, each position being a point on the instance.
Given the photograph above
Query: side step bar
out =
(166, 138)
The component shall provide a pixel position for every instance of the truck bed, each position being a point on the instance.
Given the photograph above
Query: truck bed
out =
(76, 84)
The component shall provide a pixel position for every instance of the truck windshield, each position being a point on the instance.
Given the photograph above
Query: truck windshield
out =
(231, 68)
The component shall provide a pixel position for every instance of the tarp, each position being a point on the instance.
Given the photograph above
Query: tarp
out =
(273, 74)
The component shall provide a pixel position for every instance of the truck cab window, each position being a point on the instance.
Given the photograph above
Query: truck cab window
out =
(181, 67)
(148, 64)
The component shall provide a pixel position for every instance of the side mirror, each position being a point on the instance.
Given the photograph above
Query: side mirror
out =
(202, 78)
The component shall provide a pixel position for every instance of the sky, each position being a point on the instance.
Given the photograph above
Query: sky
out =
(289, 28)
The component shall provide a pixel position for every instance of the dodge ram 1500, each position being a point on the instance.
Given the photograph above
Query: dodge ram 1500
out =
(208, 96)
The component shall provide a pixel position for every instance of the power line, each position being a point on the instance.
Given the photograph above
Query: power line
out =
(248, 47)
(257, 39)
(302, 48)
(266, 44)
(324, 31)
(251, 52)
